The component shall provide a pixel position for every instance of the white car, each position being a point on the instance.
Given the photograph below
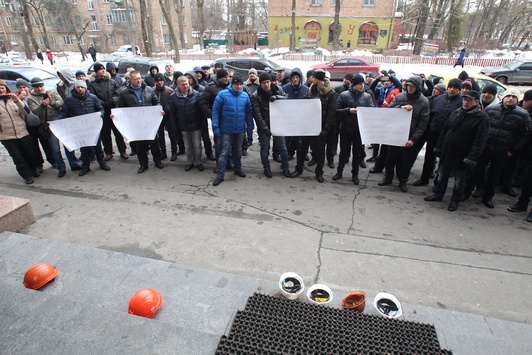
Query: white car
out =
(125, 51)
(9, 62)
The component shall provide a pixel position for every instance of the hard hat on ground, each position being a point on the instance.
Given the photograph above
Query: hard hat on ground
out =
(145, 303)
(39, 275)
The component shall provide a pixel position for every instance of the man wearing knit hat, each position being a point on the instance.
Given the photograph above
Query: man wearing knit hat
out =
(526, 183)
(441, 108)
(252, 83)
(46, 103)
(260, 102)
(82, 102)
(347, 107)
(489, 93)
(231, 118)
(321, 89)
(509, 125)
(345, 84)
(106, 89)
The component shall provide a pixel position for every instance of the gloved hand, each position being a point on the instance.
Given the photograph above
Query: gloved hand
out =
(268, 133)
(216, 130)
(273, 98)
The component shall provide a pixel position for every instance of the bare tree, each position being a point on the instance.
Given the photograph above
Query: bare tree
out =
(145, 28)
(293, 31)
(337, 26)
(178, 6)
(173, 39)
(201, 21)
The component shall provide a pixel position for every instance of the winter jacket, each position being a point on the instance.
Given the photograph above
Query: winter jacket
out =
(328, 99)
(12, 124)
(260, 102)
(420, 113)
(196, 86)
(110, 66)
(76, 105)
(184, 111)
(441, 108)
(208, 96)
(381, 93)
(149, 79)
(463, 138)
(292, 91)
(203, 81)
(391, 96)
(163, 94)
(341, 88)
(106, 90)
(351, 99)
(127, 97)
(508, 128)
(231, 112)
(45, 113)
(64, 89)
(251, 86)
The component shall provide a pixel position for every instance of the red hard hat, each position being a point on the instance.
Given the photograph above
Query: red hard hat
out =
(39, 275)
(145, 303)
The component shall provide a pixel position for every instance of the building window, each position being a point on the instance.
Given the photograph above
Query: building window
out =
(105, 1)
(120, 15)
(94, 22)
(14, 41)
(67, 40)
(52, 40)
(333, 3)
(112, 40)
(81, 40)
(315, 2)
(40, 39)
(163, 20)
(369, 3)
(9, 22)
(108, 20)
(2, 3)
(90, 5)
(35, 21)
(166, 39)
(368, 33)
(74, 2)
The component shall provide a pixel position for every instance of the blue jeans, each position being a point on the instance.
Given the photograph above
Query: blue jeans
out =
(193, 146)
(230, 143)
(460, 177)
(56, 152)
(280, 142)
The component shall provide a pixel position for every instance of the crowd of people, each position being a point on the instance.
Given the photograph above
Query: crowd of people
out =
(468, 133)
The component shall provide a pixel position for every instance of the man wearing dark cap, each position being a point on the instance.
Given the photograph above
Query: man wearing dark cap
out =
(509, 127)
(46, 103)
(347, 107)
(345, 84)
(489, 93)
(462, 140)
(441, 108)
(206, 101)
(207, 71)
(149, 79)
(106, 90)
(112, 69)
(295, 89)
(82, 102)
(526, 183)
(163, 93)
(260, 102)
(310, 77)
(321, 89)
(231, 118)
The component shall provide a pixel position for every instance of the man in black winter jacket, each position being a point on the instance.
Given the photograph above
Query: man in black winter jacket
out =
(401, 159)
(106, 89)
(508, 130)
(441, 108)
(347, 106)
(260, 102)
(82, 102)
(149, 79)
(461, 142)
(163, 93)
(128, 98)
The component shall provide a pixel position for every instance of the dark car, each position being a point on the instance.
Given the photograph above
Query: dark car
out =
(341, 66)
(516, 72)
(242, 65)
(142, 64)
(10, 75)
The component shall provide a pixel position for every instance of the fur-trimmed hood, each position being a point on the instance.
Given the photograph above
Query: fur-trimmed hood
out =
(93, 76)
(323, 92)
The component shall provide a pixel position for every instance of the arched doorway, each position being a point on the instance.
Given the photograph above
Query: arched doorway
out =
(312, 28)
(368, 33)
(331, 33)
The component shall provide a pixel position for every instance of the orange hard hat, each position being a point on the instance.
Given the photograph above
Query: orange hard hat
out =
(39, 275)
(145, 303)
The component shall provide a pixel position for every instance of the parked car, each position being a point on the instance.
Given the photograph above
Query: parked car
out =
(142, 64)
(10, 75)
(516, 72)
(6, 62)
(125, 51)
(339, 67)
(481, 80)
(242, 65)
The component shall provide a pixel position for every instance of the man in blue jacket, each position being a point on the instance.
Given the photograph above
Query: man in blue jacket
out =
(231, 117)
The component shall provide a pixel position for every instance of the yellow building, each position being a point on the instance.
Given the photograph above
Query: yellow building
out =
(369, 24)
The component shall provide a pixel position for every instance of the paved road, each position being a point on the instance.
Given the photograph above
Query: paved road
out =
(349, 237)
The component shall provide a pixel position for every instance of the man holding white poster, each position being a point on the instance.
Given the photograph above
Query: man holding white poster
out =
(135, 94)
(81, 102)
(399, 158)
(321, 89)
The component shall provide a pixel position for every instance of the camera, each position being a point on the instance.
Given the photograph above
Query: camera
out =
(5, 97)
(44, 96)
